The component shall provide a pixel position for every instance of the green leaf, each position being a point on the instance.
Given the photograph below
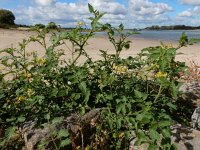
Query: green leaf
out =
(164, 82)
(9, 132)
(109, 96)
(121, 26)
(54, 92)
(194, 40)
(127, 46)
(144, 118)
(171, 105)
(91, 9)
(47, 116)
(123, 108)
(82, 110)
(154, 134)
(82, 87)
(141, 137)
(110, 123)
(174, 91)
(114, 135)
(119, 108)
(119, 123)
(152, 147)
(11, 119)
(87, 96)
(42, 144)
(138, 94)
(165, 123)
(63, 133)
(65, 142)
(57, 120)
(2, 95)
(183, 39)
(166, 133)
(76, 96)
(21, 119)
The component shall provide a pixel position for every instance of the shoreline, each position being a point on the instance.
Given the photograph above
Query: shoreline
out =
(9, 38)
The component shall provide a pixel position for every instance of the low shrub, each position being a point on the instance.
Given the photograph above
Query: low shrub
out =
(136, 94)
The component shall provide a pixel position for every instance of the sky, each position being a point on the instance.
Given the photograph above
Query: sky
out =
(132, 13)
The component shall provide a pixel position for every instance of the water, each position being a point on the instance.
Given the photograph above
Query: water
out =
(167, 35)
(163, 35)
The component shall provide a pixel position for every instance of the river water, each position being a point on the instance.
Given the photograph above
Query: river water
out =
(167, 35)
(163, 35)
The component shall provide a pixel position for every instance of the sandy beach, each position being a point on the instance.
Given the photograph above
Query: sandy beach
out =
(9, 38)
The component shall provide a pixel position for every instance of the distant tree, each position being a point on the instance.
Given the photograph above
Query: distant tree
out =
(39, 25)
(52, 25)
(6, 17)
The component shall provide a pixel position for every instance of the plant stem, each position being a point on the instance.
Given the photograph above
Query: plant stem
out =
(157, 96)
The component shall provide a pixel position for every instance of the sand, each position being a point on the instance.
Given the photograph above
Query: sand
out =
(11, 38)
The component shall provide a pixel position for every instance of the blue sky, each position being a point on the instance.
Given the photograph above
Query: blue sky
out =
(132, 13)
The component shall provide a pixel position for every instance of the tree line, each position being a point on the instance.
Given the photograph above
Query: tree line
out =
(172, 27)
(7, 19)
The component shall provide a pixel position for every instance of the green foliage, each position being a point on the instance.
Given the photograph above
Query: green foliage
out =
(184, 39)
(137, 94)
(52, 25)
(6, 17)
(40, 26)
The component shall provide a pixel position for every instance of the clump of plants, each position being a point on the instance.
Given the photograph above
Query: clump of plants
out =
(137, 95)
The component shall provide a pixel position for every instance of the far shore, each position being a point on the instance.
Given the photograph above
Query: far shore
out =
(11, 38)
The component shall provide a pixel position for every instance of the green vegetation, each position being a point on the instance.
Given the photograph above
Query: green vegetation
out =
(52, 25)
(40, 26)
(6, 18)
(138, 94)
(172, 27)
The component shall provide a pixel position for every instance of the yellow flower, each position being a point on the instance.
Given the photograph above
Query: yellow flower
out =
(119, 69)
(20, 99)
(27, 75)
(7, 100)
(160, 74)
(80, 23)
(30, 92)
(1, 68)
(169, 46)
(41, 61)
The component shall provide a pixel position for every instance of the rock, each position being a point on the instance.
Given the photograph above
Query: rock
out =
(32, 134)
(196, 119)
(185, 138)
(191, 87)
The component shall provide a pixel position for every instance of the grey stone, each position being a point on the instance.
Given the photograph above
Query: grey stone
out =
(196, 119)
(32, 134)
(184, 138)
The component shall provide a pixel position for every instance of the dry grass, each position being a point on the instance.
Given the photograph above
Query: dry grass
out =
(193, 73)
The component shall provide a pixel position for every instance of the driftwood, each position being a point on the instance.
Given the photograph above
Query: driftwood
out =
(81, 128)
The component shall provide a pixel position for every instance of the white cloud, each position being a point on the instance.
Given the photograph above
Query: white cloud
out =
(189, 17)
(109, 6)
(145, 12)
(185, 14)
(145, 7)
(67, 14)
(191, 2)
(197, 9)
(137, 13)
(191, 12)
(45, 2)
